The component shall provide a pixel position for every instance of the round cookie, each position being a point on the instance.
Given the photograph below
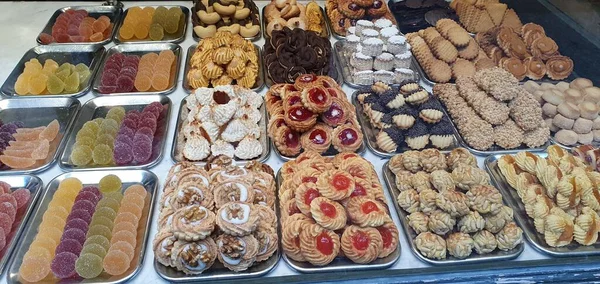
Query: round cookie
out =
(581, 83)
(568, 110)
(566, 137)
(586, 138)
(582, 125)
(562, 122)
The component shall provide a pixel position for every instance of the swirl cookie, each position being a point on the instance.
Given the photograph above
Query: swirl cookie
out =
(319, 246)
(193, 222)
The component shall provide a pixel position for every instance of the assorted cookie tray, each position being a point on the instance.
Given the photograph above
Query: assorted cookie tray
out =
(535, 239)
(253, 14)
(496, 255)
(176, 37)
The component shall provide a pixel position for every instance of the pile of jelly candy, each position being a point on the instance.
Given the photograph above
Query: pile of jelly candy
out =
(150, 23)
(12, 208)
(95, 140)
(131, 73)
(51, 79)
(81, 233)
(22, 147)
(78, 26)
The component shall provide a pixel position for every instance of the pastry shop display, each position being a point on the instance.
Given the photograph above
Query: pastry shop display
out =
(27, 147)
(334, 209)
(152, 24)
(223, 59)
(526, 52)
(570, 110)
(481, 16)
(416, 15)
(447, 51)
(50, 78)
(450, 206)
(343, 15)
(77, 26)
(405, 117)
(279, 14)
(293, 52)
(559, 194)
(491, 110)
(376, 55)
(120, 138)
(222, 213)
(239, 17)
(151, 72)
(12, 211)
(312, 114)
(224, 120)
(87, 231)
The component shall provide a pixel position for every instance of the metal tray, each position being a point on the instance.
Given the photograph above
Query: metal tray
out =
(345, 66)
(128, 177)
(263, 123)
(141, 49)
(256, 15)
(113, 12)
(90, 55)
(171, 38)
(258, 85)
(370, 133)
(339, 264)
(98, 107)
(526, 223)
(474, 258)
(33, 113)
(325, 34)
(35, 186)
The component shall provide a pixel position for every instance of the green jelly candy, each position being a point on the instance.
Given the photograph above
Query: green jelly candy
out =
(98, 120)
(118, 196)
(156, 32)
(84, 78)
(89, 265)
(110, 183)
(101, 220)
(85, 141)
(110, 203)
(72, 83)
(81, 155)
(106, 212)
(106, 139)
(102, 154)
(82, 68)
(94, 248)
(55, 85)
(103, 241)
(64, 67)
(99, 230)
(110, 126)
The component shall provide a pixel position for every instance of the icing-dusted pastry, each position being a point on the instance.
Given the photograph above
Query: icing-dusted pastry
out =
(361, 245)
(194, 257)
(193, 222)
(237, 218)
(319, 246)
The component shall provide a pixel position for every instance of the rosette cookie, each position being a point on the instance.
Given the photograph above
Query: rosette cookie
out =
(319, 246)
(335, 184)
(327, 213)
(290, 235)
(237, 218)
(361, 245)
(193, 222)
(367, 212)
(237, 253)
(389, 236)
(194, 257)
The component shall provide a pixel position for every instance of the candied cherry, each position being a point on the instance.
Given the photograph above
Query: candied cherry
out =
(318, 136)
(369, 207)
(335, 113)
(292, 139)
(328, 209)
(310, 194)
(359, 190)
(360, 241)
(324, 243)
(309, 179)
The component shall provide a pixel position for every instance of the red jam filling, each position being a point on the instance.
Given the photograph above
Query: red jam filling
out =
(359, 190)
(299, 113)
(386, 235)
(309, 179)
(369, 207)
(280, 122)
(348, 156)
(340, 182)
(274, 99)
(317, 96)
(348, 136)
(290, 87)
(307, 78)
(318, 136)
(310, 194)
(324, 243)
(292, 139)
(328, 209)
(334, 113)
(297, 242)
(293, 209)
(360, 241)
(332, 92)
(294, 100)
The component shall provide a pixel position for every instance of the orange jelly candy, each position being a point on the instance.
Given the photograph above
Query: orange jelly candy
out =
(125, 247)
(34, 269)
(124, 236)
(159, 82)
(116, 262)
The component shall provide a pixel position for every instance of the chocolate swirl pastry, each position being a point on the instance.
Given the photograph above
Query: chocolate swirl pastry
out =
(290, 53)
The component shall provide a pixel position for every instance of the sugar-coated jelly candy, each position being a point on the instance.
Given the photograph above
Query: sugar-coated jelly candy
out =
(94, 248)
(127, 217)
(5, 197)
(101, 220)
(156, 32)
(91, 126)
(6, 223)
(69, 245)
(118, 196)
(93, 189)
(160, 82)
(110, 124)
(99, 240)
(34, 269)
(77, 223)
(38, 252)
(63, 265)
(136, 189)
(45, 242)
(106, 212)
(52, 222)
(123, 154)
(126, 31)
(72, 83)
(8, 209)
(134, 199)
(126, 131)
(125, 226)
(116, 262)
(142, 82)
(70, 184)
(110, 183)
(80, 214)
(110, 203)
(124, 236)
(37, 83)
(102, 154)
(87, 195)
(74, 234)
(142, 149)
(22, 196)
(56, 211)
(106, 139)
(125, 247)
(99, 230)
(86, 205)
(55, 85)
(88, 265)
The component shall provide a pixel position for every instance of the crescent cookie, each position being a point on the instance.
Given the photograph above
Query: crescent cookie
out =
(327, 213)
(192, 223)
(318, 245)
(367, 212)
(237, 218)
(361, 245)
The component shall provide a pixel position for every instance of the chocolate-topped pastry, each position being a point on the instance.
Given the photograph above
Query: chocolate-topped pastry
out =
(414, 15)
(417, 137)
(442, 133)
(290, 53)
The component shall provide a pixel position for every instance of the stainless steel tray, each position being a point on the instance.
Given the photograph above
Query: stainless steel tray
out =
(112, 12)
(474, 258)
(258, 85)
(171, 38)
(339, 264)
(35, 186)
(98, 107)
(264, 139)
(325, 34)
(370, 133)
(331, 29)
(345, 66)
(252, 14)
(33, 113)
(526, 223)
(90, 55)
(128, 177)
(141, 49)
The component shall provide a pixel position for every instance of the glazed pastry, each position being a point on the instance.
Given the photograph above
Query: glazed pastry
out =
(194, 257)
(431, 245)
(193, 222)
(367, 212)
(361, 245)
(335, 184)
(327, 213)
(237, 218)
(319, 246)
(237, 253)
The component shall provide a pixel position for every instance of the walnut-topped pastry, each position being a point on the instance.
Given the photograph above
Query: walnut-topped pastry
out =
(193, 222)
(194, 257)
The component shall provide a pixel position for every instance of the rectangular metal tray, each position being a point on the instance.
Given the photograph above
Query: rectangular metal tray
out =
(526, 223)
(258, 85)
(128, 177)
(370, 133)
(141, 49)
(98, 107)
(33, 113)
(339, 264)
(112, 12)
(474, 258)
(90, 55)
(264, 139)
(345, 66)
(35, 186)
(252, 14)
(325, 34)
(171, 38)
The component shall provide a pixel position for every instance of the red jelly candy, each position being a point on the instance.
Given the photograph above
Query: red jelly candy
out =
(63, 265)
(130, 123)
(77, 38)
(125, 139)
(62, 37)
(84, 205)
(80, 214)
(69, 245)
(94, 190)
(4, 187)
(148, 122)
(146, 131)
(5, 197)
(22, 196)
(73, 30)
(74, 234)
(8, 209)
(5, 222)
(142, 148)
(46, 38)
(113, 64)
(108, 89)
(108, 79)
(122, 154)
(133, 114)
(87, 195)
(126, 131)
(124, 84)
